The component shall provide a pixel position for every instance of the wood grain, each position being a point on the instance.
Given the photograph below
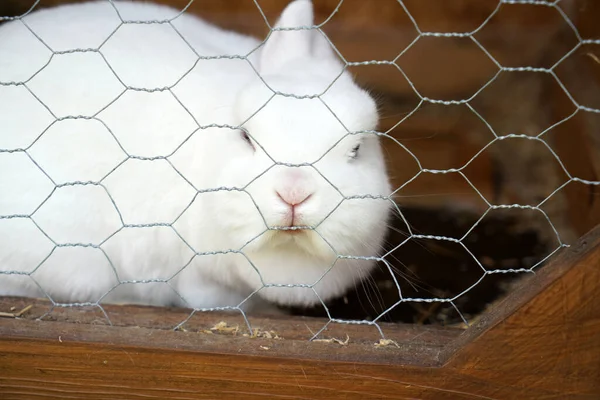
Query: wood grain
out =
(381, 30)
(551, 344)
(576, 141)
(540, 342)
(152, 327)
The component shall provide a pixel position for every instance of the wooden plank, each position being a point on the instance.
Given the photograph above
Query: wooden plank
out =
(380, 30)
(108, 372)
(540, 342)
(152, 327)
(576, 141)
(551, 344)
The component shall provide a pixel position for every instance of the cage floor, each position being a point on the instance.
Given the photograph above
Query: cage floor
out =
(428, 269)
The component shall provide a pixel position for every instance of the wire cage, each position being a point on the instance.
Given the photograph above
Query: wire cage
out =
(488, 119)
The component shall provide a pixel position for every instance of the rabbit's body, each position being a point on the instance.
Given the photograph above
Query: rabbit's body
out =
(179, 210)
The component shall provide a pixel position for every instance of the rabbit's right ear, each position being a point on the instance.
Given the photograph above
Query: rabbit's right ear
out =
(292, 39)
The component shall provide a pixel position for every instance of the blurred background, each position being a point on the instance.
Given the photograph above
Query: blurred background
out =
(526, 102)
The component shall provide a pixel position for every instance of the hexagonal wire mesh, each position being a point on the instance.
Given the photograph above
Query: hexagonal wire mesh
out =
(28, 93)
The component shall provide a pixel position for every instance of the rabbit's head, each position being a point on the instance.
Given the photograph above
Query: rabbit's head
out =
(313, 177)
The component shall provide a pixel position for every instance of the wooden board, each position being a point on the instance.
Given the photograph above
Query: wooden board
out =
(540, 342)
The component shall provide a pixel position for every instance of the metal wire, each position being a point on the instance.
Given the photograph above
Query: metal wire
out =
(128, 155)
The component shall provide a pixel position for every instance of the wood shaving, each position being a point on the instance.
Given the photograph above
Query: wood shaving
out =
(15, 315)
(222, 327)
(386, 343)
(264, 347)
(334, 340)
(257, 333)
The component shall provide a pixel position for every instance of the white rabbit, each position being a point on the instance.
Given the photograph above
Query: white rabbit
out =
(131, 209)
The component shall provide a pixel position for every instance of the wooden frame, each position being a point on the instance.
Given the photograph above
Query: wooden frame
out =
(542, 341)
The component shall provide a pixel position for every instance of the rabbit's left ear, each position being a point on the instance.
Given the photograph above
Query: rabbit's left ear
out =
(284, 46)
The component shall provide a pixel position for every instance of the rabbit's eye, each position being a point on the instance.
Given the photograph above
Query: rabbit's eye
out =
(247, 139)
(354, 151)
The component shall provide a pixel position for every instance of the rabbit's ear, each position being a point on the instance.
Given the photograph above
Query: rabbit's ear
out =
(289, 44)
(321, 47)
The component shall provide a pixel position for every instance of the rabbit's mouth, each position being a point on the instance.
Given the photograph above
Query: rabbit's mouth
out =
(296, 236)
(287, 234)
(303, 239)
(293, 230)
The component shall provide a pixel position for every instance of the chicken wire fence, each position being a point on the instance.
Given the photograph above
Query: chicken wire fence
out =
(43, 177)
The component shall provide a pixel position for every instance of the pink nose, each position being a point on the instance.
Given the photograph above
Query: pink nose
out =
(293, 197)
(295, 187)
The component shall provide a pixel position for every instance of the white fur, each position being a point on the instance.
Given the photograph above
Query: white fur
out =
(286, 130)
